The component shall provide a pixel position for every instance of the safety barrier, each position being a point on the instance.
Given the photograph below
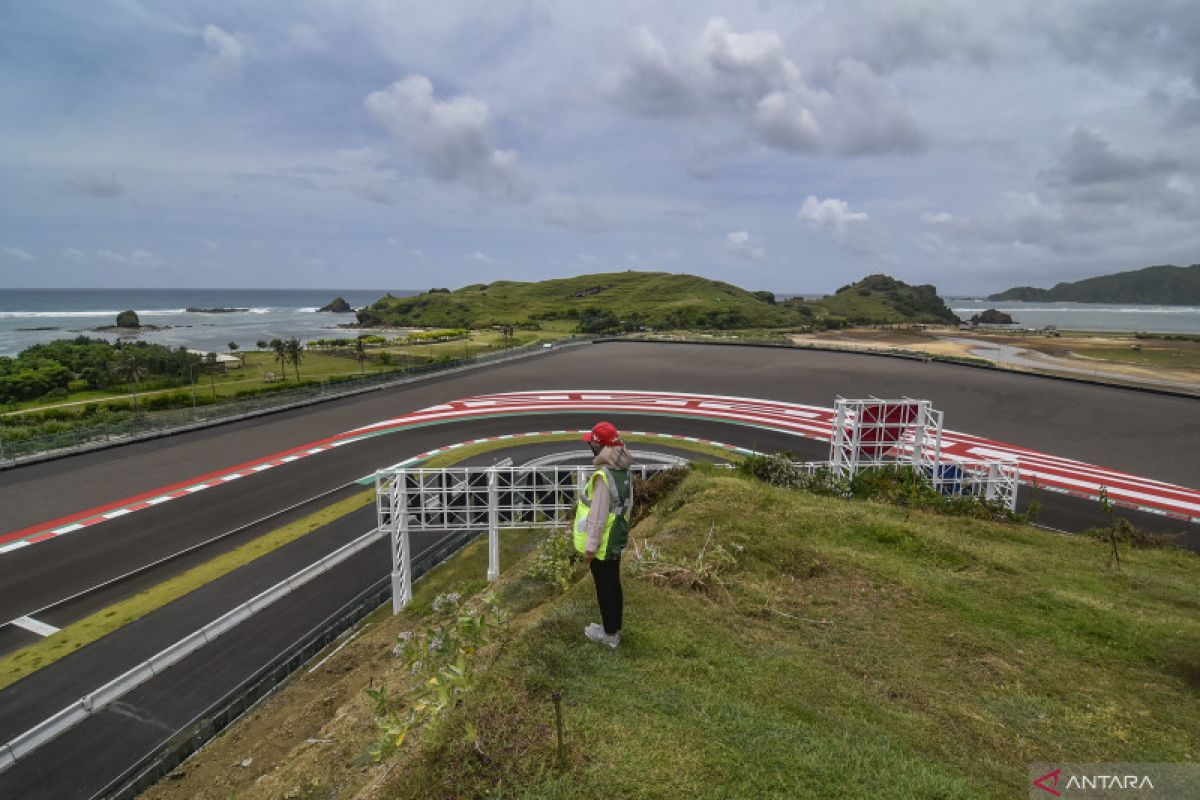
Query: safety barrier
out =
(259, 686)
(101, 698)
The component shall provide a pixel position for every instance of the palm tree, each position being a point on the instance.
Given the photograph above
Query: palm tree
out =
(360, 352)
(125, 366)
(295, 354)
(281, 355)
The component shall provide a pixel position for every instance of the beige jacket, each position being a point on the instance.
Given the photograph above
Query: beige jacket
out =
(614, 458)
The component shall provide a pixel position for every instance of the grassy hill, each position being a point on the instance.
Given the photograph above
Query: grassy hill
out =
(776, 644)
(882, 299)
(625, 301)
(1162, 285)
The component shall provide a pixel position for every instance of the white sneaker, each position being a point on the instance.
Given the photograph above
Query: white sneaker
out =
(596, 634)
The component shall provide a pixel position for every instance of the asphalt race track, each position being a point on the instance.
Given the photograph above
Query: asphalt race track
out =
(1149, 435)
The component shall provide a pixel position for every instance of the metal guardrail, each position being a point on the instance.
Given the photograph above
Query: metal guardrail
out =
(162, 423)
(94, 702)
(224, 712)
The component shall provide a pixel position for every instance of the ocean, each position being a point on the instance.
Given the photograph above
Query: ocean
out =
(1087, 316)
(31, 316)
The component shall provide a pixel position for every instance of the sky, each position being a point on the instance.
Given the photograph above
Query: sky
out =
(789, 146)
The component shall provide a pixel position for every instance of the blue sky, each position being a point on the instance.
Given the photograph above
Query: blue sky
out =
(792, 146)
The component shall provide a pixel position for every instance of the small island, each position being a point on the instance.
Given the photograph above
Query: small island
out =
(992, 317)
(127, 324)
(337, 306)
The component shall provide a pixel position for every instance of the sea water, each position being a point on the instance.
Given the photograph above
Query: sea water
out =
(31, 316)
(1087, 316)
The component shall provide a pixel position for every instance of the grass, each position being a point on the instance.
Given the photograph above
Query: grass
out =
(1146, 356)
(18, 664)
(849, 650)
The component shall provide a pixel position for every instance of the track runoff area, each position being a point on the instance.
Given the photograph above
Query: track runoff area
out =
(1045, 471)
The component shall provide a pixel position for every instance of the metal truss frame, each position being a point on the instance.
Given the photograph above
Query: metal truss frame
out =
(908, 433)
(488, 498)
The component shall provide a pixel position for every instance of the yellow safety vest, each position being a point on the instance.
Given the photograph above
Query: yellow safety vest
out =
(616, 526)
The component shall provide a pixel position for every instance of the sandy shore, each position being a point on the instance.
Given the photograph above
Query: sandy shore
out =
(1052, 355)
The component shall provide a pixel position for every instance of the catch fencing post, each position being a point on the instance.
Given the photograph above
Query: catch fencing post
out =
(401, 552)
(493, 528)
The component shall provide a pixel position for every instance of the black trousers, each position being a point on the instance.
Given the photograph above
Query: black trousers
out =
(607, 575)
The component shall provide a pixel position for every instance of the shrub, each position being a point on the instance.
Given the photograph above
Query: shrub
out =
(554, 560)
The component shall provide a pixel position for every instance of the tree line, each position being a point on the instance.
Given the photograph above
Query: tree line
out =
(56, 368)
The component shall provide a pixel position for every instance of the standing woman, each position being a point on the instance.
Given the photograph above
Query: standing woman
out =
(602, 527)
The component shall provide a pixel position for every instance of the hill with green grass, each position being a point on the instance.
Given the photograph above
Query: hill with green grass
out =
(1162, 285)
(632, 301)
(883, 299)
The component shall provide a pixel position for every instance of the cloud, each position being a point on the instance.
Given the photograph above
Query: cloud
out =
(135, 258)
(831, 216)
(19, 254)
(456, 137)
(572, 214)
(1089, 160)
(93, 183)
(75, 256)
(848, 108)
(480, 256)
(375, 190)
(228, 49)
(940, 218)
(742, 245)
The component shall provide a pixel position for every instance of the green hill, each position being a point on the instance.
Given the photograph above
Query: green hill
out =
(882, 299)
(1163, 285)
(629, 301)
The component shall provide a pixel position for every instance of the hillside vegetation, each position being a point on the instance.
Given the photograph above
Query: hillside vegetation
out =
(882, 299)
(776, 644)
(1163, 285)
(631, 301)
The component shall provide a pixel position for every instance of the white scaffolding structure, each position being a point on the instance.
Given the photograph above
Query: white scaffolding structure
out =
(906, 432)
(466, 498)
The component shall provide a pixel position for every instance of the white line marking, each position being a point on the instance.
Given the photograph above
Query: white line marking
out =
(120, 512)
(8, 548)
(33, 626)
(67, 529)
(154, 501)
(197, 488)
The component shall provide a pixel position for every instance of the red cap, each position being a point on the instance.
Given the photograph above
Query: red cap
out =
(604, 434)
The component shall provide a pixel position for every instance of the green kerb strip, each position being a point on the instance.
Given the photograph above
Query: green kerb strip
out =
(18, 664)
